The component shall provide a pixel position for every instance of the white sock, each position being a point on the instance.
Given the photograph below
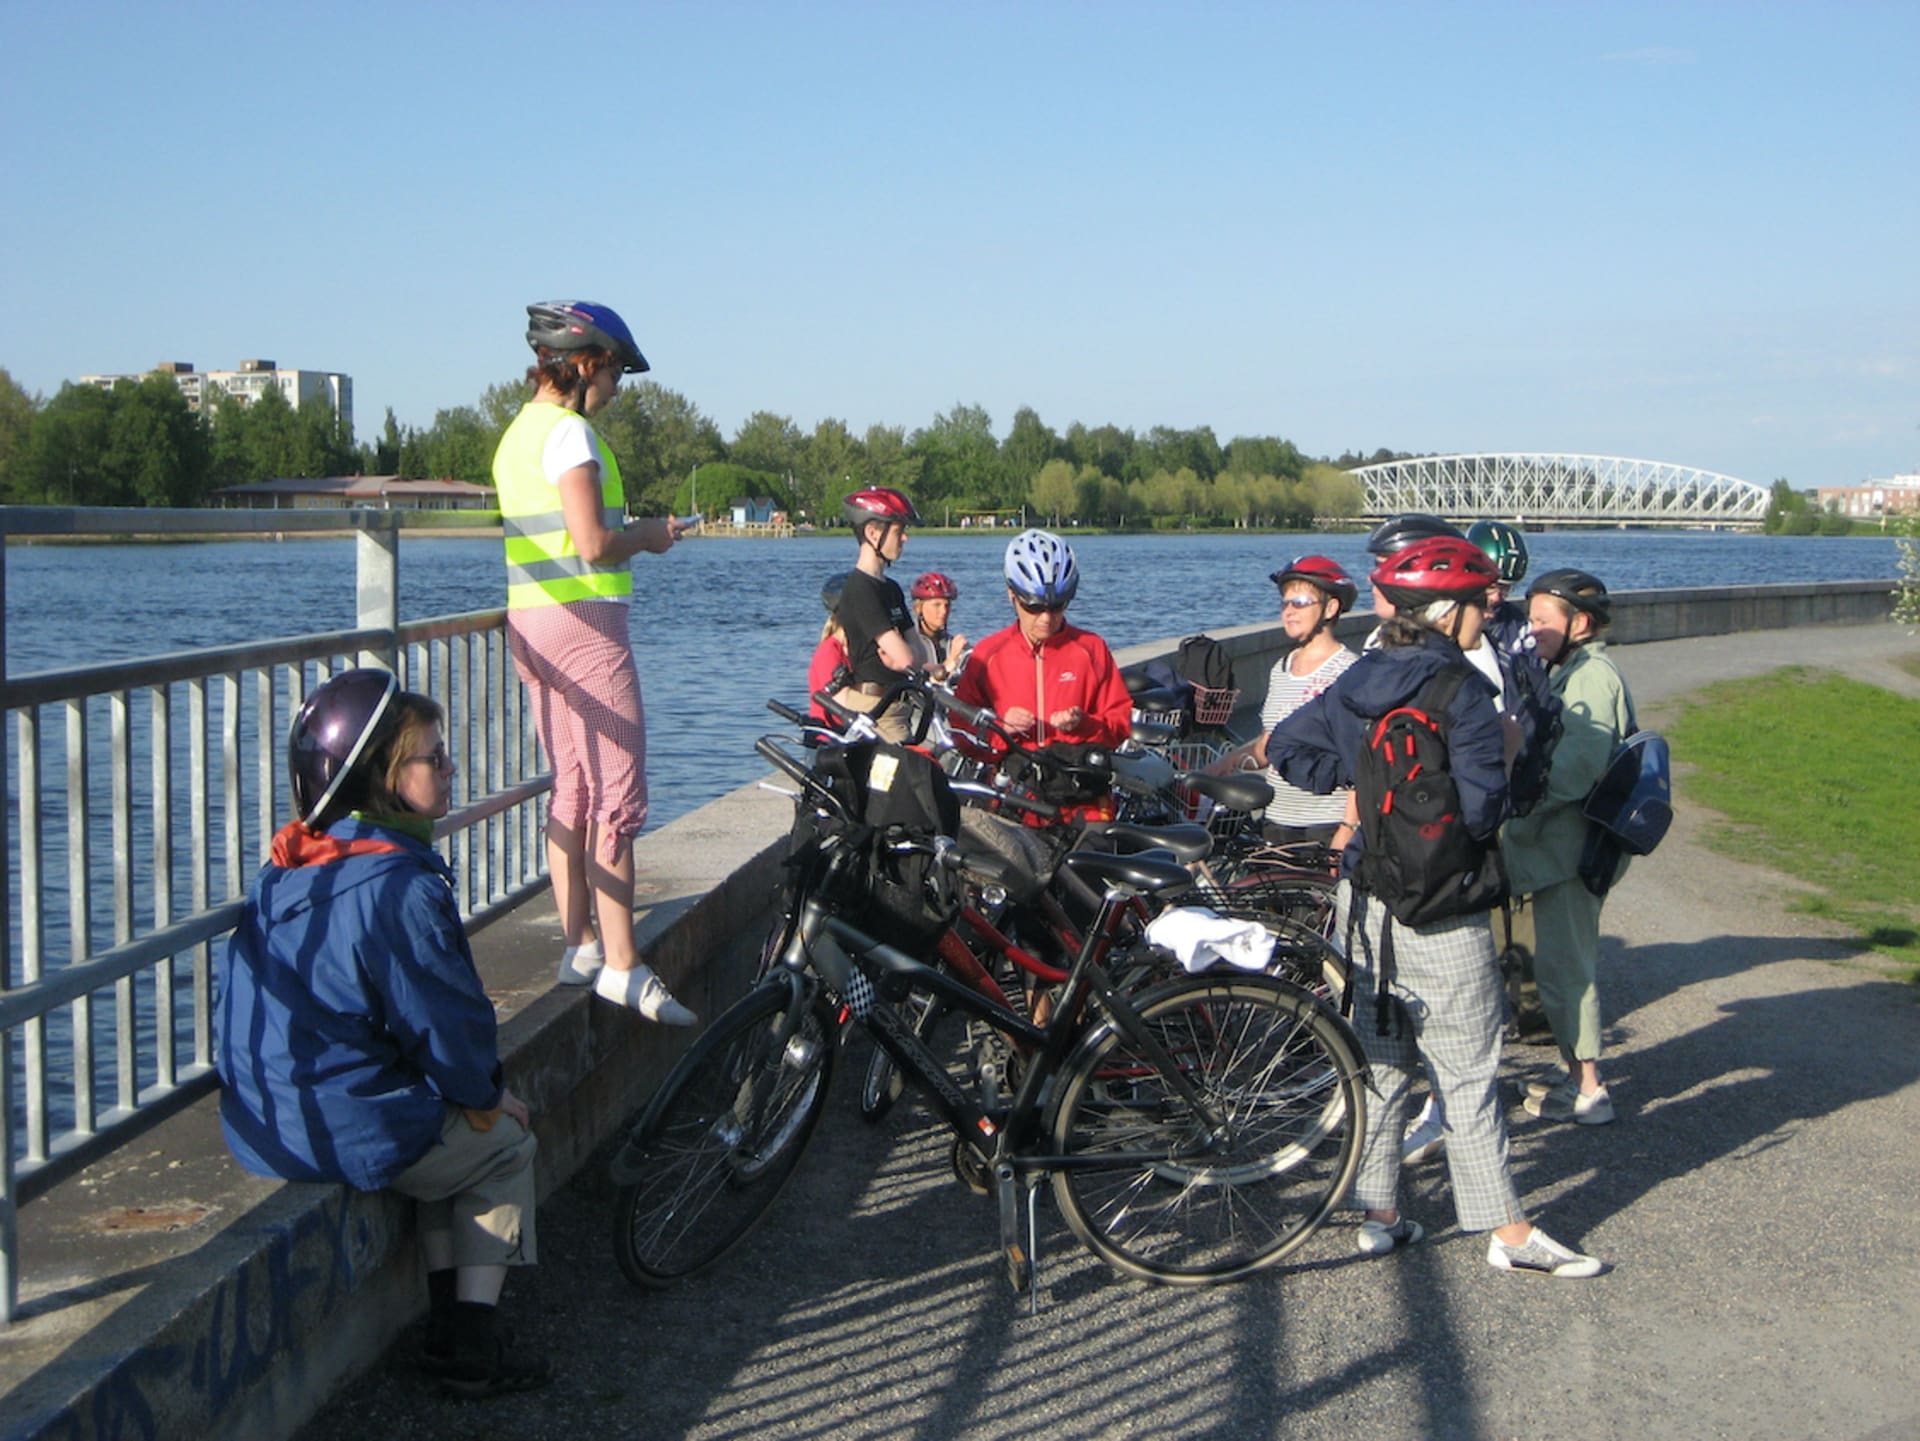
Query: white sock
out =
(580, 964)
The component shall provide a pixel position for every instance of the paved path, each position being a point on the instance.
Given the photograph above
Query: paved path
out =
(1753, 1199)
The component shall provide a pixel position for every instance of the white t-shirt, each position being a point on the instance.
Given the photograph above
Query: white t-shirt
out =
(1286, 693)
(570, 443)
(1482, 658)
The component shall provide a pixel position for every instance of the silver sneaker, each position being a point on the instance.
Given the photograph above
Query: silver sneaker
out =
(1542, 1256)
(1570, 1104)
(1424, 1140)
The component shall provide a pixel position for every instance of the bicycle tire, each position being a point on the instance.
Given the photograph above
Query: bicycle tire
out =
(1282, 1071)
(719, 1139)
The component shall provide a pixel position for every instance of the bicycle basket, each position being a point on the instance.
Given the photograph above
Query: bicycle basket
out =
(1213, 707)
(892, 794)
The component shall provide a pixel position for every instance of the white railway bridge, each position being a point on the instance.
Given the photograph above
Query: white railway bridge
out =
(1567, 489)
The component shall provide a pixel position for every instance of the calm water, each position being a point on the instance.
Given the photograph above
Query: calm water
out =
(720, 625)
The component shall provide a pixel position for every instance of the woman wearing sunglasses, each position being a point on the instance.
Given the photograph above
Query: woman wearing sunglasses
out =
(1314, 593)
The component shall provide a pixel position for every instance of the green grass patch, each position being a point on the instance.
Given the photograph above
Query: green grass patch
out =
(1817, 776)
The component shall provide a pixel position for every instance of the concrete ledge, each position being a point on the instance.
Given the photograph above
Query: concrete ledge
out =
(169, 1294)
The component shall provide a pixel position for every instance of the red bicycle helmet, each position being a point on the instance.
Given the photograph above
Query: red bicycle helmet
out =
(1322, 572)
(880, 502)
(1443, 567)
(935, 586)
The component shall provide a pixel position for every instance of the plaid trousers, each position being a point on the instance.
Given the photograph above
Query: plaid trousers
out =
(1447, 989)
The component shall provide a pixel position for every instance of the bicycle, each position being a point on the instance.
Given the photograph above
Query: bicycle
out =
(1198, 1132)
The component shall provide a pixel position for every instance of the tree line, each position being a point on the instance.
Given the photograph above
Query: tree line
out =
(138, 444)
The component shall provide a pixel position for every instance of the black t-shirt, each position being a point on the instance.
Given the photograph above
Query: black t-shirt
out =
(868, 608)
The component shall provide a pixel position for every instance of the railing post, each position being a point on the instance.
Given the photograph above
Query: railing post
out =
(377, 551)
(9, 1217)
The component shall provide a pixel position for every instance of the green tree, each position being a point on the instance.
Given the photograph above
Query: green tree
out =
(1107, 448)
(829, 463)
(886, 459)
(385, 459)
(1030, 445)
(65, 451)
(960, 460)
(658, 436)
(1264, 455)
(17, 410)
(767, 442)
(1906, 603)
(1788, 512)
(275, 447)
(1054, 492)
(460, 446)
(157, 450)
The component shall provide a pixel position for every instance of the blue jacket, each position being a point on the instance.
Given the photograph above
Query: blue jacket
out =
(1316, 747)
(350, 1012)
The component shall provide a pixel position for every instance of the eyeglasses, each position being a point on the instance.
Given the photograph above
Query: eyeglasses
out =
(1300, 602)
(437, 758)
(1032, 609)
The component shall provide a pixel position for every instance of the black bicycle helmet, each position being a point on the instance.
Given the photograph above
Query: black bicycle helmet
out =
(1398, 532)
(582, 325)
(1578, 588)
(1505, 544)
(830, 592)
(334, 736)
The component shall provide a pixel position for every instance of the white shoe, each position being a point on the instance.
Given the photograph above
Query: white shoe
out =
(1542, 1256)
(1377, 1238)
(641, 990)
(580, 964)
(1424, 1140)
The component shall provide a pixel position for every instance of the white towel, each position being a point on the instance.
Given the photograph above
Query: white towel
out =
(1201, 938)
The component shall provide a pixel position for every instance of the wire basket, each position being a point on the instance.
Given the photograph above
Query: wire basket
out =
(1213, 706)
(1195, 755)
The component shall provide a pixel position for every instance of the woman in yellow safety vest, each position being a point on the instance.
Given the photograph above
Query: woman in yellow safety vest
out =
(568, 542)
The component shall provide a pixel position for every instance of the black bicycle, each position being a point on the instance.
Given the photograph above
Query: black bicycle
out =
(1195, 1132)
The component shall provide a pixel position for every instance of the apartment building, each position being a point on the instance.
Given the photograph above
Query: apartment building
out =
(1877, 499)
(248, 383)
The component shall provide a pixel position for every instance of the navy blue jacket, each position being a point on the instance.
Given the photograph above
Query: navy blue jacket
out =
(350, 1012)
(1317, 747)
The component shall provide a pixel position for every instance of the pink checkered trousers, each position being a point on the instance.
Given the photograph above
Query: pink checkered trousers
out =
(577, 662)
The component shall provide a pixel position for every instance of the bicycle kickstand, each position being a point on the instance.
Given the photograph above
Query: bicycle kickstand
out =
(1019, 1239)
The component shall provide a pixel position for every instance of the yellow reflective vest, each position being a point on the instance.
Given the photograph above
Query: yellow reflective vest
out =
(543, 568)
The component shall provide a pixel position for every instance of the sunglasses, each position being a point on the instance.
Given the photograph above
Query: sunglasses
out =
(438, 758)
(1300, 602)
(1032, 609)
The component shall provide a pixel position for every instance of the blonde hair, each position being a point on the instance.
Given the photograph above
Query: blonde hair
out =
(831, 629)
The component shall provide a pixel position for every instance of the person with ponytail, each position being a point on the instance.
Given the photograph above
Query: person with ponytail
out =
(569, 587)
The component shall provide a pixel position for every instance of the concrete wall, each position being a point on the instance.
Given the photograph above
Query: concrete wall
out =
(239, 1304)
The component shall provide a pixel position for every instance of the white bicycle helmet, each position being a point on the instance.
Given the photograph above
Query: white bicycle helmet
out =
(1040, 568)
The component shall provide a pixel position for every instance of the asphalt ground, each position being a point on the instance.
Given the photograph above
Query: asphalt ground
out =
(1751, 1200)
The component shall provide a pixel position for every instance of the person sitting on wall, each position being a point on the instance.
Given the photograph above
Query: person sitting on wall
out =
(355, 1042)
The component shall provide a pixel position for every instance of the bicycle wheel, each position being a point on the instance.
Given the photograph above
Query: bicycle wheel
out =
(1169, 1205)
(720, 1137)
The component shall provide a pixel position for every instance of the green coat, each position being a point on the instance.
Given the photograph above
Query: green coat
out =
(1542, 848)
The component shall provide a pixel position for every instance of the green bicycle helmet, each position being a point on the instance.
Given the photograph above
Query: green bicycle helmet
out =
(1505, 545)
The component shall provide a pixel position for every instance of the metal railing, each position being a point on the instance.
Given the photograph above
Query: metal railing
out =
(143, 795)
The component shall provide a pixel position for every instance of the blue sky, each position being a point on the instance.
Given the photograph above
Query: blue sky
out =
(1682, 232)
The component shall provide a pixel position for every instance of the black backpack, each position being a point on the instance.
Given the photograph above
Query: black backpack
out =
(1628, 809)
(1419, 860)
(898, 897)
(1202, 660)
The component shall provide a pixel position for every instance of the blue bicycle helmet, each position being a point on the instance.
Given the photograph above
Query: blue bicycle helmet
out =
(1041, 569)
(583, 325)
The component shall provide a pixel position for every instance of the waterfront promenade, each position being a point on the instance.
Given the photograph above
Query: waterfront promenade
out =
(1752, 1198)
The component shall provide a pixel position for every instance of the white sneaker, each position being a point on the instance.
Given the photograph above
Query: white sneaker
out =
(1425, 1139)
(1543, 1256)
(1556, 1079)
(1570, 1103)
(1377, 1238)
(580, 964)
(641, 990)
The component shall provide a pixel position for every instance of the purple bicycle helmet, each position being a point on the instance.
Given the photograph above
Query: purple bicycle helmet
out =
(336, 732)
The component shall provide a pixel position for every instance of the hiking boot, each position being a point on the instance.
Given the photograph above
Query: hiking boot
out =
(1424, 1140)
(1567, 1104)
(1377, 1238)
(641, 990)
(496, 1372)
(1542, 1256)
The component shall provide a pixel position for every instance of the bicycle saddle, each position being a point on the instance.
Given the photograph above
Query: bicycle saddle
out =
(1188, 843)
(1159, 702)
(1154, 732)
(1155, 872)
(1235, 792)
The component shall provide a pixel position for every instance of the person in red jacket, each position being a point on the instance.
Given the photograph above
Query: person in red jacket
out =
(1050, 683)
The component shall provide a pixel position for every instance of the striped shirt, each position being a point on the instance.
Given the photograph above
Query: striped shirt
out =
(1286, 693)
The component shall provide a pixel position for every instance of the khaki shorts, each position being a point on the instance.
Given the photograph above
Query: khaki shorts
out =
(892, 725)
(478, 1186)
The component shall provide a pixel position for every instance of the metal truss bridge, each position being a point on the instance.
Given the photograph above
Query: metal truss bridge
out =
(1564, 489)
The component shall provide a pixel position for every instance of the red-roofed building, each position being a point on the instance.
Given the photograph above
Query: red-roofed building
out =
(344, 492)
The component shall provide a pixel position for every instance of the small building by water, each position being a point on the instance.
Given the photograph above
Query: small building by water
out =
(342, 492)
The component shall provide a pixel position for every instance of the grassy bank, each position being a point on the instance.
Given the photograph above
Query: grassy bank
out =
(1815, 776)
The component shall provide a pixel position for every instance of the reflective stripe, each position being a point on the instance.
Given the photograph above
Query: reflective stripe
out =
(543, 567)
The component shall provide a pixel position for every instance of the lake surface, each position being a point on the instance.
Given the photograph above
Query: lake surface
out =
(721, 625)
